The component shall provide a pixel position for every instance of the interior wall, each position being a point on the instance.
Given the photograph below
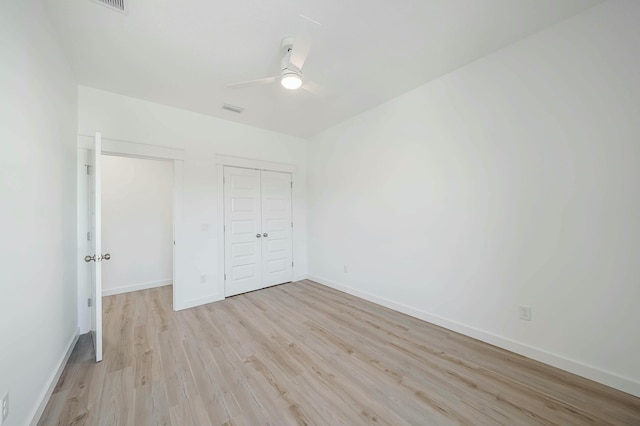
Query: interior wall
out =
(137, 223)
(510, 182)
(202, 138)
(38, 207)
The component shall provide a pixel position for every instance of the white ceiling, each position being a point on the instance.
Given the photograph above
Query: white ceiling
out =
(183, 52)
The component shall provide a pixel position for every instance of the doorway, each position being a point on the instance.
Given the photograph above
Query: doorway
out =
(137, 224)
(91, 151)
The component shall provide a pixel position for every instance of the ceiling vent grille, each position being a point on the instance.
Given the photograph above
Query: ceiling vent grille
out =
(119, 5)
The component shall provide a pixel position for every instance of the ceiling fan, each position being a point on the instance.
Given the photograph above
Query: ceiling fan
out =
(294, 54)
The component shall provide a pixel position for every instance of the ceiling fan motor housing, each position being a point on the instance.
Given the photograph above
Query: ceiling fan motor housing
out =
(290, 76)
(286, 47)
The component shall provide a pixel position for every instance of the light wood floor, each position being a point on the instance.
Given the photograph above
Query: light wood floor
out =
(301, 353)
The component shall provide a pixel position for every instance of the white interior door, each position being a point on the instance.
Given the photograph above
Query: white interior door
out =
(96, 245)
(277, 263)
(243, 256)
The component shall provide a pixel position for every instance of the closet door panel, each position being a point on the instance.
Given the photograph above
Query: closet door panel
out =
(242, 216)
(276, 227)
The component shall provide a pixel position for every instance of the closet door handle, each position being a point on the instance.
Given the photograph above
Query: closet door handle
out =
(265, 235)
(258, 235)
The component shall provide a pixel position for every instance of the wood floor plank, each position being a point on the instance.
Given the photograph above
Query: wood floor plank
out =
(341, 380)
(304, 354)
(431, 366)
(150, 405)
(75, 410)
(189, 413)
(52, 414)
(178, 379)
(117, 402)
(559, 386)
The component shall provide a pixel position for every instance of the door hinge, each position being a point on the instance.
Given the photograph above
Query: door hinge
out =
(224, 228)
(88, 166)
(292, 264)
(224, 179)
(88, 235)
(292, 224)
(292, 185)
(89, 302)
(225, 277)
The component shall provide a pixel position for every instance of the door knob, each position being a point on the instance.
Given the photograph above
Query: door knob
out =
(88, 258)
(258, 235)
(265, 235)
(106, 256)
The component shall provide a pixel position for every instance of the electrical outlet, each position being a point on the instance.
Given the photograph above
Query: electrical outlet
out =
(525, 313)
(345, 269)
(5, 407)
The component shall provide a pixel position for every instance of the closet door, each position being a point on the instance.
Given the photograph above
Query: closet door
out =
(243, 235)
(277, 266)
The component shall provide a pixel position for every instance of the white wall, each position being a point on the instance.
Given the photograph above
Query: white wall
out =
(137, 223)
(37, 207)
(201, 137)
(512, 181)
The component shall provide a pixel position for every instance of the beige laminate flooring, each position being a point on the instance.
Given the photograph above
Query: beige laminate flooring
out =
(302, 353)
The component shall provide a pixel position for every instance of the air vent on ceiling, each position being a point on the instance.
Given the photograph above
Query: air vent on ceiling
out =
(233, 108)
(119, 5)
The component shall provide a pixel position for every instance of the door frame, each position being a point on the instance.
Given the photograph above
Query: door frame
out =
(121, 148)
(248, 163)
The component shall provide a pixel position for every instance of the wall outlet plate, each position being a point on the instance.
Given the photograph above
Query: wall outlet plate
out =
(5, 408)
(525, 313)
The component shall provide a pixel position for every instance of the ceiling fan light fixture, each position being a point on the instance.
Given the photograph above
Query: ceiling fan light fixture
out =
(291, 81)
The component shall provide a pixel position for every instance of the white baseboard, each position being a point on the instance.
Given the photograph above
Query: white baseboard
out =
(135, 287)
(215, 298)
(576, 367)
(197, 302)
(43, 399)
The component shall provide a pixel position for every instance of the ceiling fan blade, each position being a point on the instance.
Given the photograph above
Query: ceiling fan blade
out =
(315, 89)
(302, 41)
(250, 83)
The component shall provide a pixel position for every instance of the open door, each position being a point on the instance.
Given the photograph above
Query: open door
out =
(95, 258)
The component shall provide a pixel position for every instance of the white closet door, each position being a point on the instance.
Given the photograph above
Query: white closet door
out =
(277, 266)
(243, 255)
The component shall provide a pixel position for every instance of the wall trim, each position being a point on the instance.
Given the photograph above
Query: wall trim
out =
(197, 302)
(43, 399)
(249, 163)
(178, 231)
(572, 366)
(136, 287)
(118, 147)
(220, 227)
